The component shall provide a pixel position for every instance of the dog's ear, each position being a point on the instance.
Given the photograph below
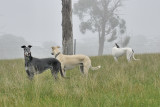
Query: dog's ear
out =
(58, 47)
(29, 46)
(23, 46)
(117, 45)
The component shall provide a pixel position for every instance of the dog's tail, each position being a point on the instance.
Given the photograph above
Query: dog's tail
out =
(133, 56)
(95, 68)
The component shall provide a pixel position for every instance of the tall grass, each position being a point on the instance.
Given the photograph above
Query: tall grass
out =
(123, 84)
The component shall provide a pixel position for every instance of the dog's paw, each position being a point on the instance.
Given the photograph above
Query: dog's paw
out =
(99, 66)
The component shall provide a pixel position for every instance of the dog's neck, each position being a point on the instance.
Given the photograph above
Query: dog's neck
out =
(57, 54)
(28, 58)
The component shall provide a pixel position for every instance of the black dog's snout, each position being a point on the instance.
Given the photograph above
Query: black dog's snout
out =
(52, 54)
(27, 53)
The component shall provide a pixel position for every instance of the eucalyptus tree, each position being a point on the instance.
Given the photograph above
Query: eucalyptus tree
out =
(101, 17)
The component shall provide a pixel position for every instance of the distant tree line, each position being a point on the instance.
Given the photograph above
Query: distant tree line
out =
(10, 47)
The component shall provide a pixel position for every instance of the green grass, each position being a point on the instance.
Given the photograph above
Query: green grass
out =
(123, 84)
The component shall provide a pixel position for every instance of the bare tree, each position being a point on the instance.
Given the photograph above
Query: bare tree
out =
(100, 16)
(67, 33)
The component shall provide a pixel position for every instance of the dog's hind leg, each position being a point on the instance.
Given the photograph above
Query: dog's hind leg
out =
(81, 68)
(85, 69)
(54, 73)
(129, 56)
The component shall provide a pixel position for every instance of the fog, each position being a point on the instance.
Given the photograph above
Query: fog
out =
(38, 23)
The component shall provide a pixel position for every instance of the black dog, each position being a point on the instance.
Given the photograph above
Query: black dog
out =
(37, 66)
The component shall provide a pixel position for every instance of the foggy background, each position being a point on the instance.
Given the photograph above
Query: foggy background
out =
(38, 23)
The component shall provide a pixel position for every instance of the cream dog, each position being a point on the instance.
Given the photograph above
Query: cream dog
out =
(117, 52)
(70, 61)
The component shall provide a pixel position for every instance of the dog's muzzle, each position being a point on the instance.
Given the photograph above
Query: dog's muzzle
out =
(52, 53)
(27, 53)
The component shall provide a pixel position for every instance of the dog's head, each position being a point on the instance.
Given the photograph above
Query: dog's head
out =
(27, 51)
(55, 50)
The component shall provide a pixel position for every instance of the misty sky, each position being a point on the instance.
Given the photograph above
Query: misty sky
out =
(40, 20)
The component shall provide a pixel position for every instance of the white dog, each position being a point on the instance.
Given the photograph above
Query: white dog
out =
(117, 52)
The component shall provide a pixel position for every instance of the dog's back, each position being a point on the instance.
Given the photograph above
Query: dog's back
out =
(73, 59)
(45, 63)
(117, 52)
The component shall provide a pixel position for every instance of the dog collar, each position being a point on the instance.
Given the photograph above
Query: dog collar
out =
(57, 54)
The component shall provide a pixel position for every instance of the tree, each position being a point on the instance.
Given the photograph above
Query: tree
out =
(67, 34)
(100, 16)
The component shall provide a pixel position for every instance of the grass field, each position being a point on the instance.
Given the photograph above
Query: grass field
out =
(123, 84)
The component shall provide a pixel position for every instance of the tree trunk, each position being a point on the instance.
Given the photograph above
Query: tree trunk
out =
(67, 34)
(101, 40)
(101, 46)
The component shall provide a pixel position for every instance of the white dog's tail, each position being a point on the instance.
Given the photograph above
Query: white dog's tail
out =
(134, 57)
(95, 68)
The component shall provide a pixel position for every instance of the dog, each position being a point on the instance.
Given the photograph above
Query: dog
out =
(70, 61)
(36, 66)
(118, 52)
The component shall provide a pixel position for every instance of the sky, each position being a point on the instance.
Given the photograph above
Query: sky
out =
(40, 20)
(142, 16)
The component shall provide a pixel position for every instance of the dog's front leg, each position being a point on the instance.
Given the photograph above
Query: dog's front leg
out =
(115, 58)
(27, 71)
(63, 70)
(30, 75)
